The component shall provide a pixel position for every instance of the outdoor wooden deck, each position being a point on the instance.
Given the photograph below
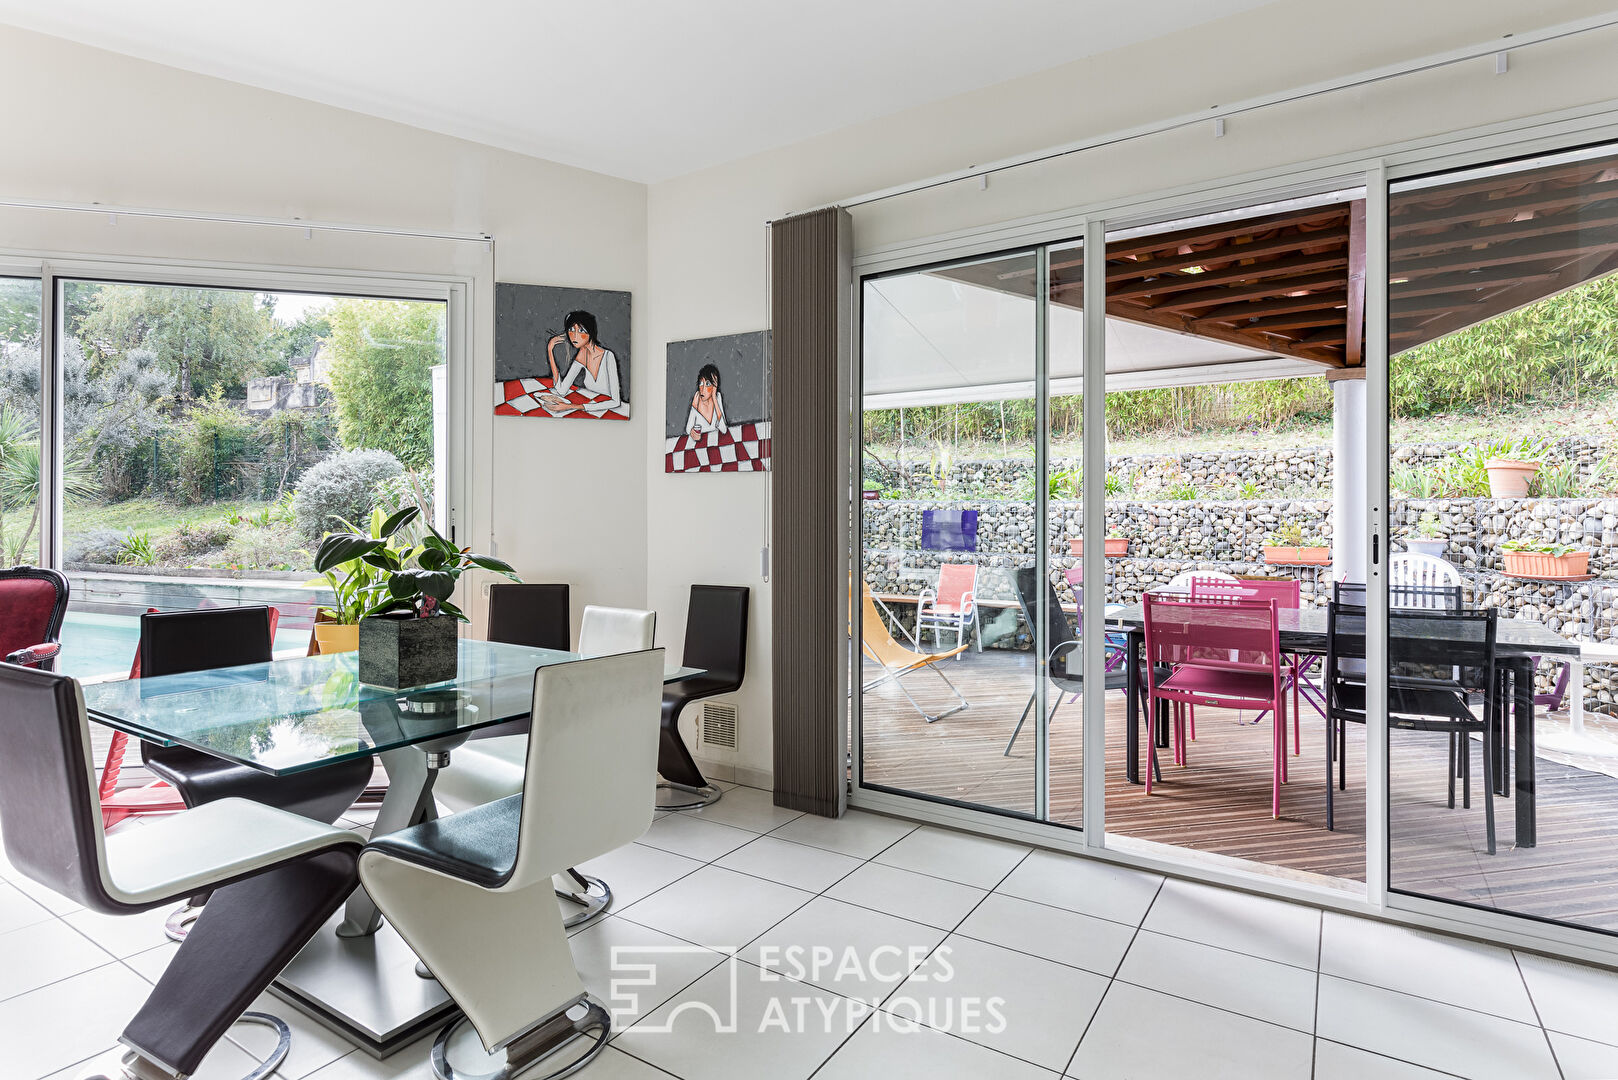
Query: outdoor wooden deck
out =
(1219, 804)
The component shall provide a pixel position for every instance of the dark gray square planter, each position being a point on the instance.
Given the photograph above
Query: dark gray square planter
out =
(398, 652)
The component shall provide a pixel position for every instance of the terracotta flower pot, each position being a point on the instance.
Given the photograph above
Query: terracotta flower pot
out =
(1113, 547)
(337, 638)
(1297, 556)
(1538, 564)
(1509, 477)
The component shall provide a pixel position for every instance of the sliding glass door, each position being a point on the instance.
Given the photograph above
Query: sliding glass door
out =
(1503, 477)
(21, 421)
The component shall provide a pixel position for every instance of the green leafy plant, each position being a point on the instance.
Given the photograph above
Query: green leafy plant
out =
(1428, 527)
(1292, 535)
(1539, 547)
(415, 578)
(1116, 485)
(1249, 490)
(1416, 482)
(137, 549)
(1184, 490)
(1559, 481)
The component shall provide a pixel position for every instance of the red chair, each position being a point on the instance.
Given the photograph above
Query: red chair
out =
(1221, 653)
(952, 606)
(1287, 594)
(33, 602)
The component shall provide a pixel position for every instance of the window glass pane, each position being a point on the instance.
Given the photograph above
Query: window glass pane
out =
(1503, 343)
(212, 435)
(19, 420)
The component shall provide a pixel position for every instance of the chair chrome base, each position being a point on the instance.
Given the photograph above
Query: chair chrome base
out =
(672, 796)
(126, 1064)
(180, 920)
(526, 1051)
(591, 894)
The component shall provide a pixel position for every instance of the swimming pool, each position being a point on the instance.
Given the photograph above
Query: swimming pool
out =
(105, 644)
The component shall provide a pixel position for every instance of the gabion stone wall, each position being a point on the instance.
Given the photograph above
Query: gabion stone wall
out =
(1170, 537)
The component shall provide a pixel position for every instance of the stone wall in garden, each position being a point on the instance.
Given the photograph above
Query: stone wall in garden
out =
(1171, 536)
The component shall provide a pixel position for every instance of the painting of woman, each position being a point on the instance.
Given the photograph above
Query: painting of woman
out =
(592, 369)
(707, 406)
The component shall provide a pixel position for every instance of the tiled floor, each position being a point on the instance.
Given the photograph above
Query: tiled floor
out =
(867, 947)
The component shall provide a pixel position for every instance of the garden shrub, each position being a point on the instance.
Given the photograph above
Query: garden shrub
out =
(343, 485)
(211, 442)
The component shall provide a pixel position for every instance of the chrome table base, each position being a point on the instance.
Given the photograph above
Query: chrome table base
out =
(672, 796)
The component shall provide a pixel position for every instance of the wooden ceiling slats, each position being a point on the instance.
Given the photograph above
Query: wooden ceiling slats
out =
(1315, 301)
(1407, 219)
(1591, 218)
(1258, 271)
(1252, 290)
(1127, 269)
(1544, 248)
(1224, 230)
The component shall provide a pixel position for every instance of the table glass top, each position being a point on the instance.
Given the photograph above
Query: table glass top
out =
(290, 715)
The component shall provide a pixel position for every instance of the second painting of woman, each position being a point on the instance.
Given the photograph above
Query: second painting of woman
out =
(561, 352)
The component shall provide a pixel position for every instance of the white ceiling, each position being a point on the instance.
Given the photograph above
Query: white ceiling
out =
(643, 89)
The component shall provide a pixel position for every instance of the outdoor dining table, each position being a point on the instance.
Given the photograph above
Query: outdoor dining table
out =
(357, 976)
(1518, 644)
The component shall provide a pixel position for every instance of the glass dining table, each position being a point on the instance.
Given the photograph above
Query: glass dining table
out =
(287, 716)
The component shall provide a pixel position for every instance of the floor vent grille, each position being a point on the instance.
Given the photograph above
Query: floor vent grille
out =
(718, 725)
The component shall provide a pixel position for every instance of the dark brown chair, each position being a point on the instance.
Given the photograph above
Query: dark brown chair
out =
(716, 641)
(532, 615)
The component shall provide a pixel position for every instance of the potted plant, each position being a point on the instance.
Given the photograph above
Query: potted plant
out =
(408, 634)
(353, 584)
(1429, 538)
(1512, 466)
(1113, 547)
(1542, 559)
(1290, 545)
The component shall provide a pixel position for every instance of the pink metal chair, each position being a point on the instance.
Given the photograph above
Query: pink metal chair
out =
(1224, 653)
(1287, 594)
(951, 606)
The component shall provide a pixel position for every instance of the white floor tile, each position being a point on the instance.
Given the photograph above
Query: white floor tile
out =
(782, 1030)
(856, 833)
(718, 908)
(1067, 937)
(893, 1050)
(49, 1029)
(1145, 1035)
(912, 896)
(122, 935)
(1429, 1033)
(313, 1045)
(1088, 886)
(849, 950)
(1572, 998)
(1263, 989)
(745, 808)
(151, 964)
(1240, 922)
(635, 872)
(1334, 1061)
(632, 969)
(972, 860)
(17, 910)
(410, 1063)
(52, 901)
(1022, 1005)
(1447, 969)
(1583, 1059)
(46, 952)
(798, 865)
(694, 838)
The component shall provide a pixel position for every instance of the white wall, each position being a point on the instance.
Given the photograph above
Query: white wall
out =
(706, 248)
(92, 126)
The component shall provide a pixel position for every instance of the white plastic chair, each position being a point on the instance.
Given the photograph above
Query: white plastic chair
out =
(1409, 568)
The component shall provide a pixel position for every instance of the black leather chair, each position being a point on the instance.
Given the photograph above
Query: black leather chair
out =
(276, 877)
(533, 615)
(175, 642)
(1063, 642)
(715, 640)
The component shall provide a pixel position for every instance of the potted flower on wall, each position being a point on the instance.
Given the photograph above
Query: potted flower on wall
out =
(1512, 465)
(409, 632)
(1429, 538)
(1545, 560)
(1290, 545)
(1115, 546)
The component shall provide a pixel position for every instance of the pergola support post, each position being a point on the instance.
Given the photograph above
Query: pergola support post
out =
(1350, 494)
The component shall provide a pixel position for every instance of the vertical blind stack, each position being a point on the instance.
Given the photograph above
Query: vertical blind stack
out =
(810, 340)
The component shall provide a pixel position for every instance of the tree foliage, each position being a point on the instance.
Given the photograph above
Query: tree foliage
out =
(383, 353)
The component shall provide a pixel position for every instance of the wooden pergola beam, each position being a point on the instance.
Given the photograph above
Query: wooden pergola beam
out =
(1259, 271)
(1403, 220)
(1232, 313)
(1168, 320)
(1541, 248)
(1223, 230)
(1592, 218)
(1252, 290)
(1126, 269)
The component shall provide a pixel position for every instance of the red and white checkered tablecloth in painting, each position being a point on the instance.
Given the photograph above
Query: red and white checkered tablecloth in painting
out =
(519, 397)
(744, 448)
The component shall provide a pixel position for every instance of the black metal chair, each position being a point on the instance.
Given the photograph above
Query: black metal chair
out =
(175, 642)
(1439, 662)
(1063, 641)
(276, 877)
(716, 641)
(1415, 597)
(33, 602)
(533, 615)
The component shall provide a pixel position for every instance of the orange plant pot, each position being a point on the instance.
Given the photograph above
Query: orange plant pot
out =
(1297, 556)
(1112, 547)
(1538, 564)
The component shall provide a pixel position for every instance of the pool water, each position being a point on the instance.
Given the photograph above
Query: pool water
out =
(105, 644)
